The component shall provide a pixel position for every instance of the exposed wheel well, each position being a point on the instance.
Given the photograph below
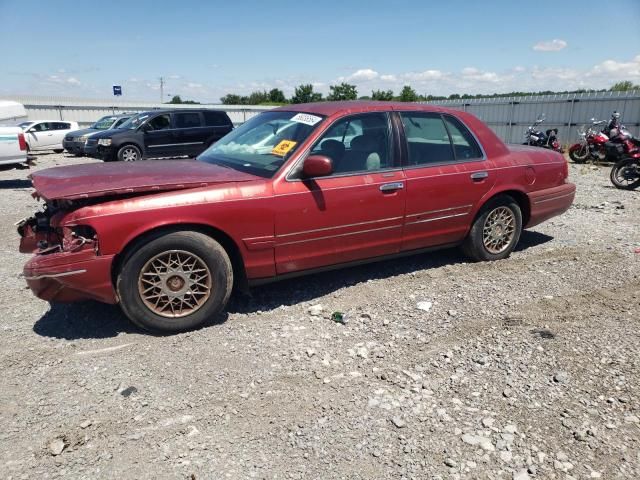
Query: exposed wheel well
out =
(240, 277)
(523, 203)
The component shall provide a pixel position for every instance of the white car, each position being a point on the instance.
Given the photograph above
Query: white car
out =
(13, 147)
(47, 134)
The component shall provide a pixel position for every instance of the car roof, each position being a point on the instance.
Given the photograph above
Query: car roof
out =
(359, 106)
(50, 121)
(180, 110)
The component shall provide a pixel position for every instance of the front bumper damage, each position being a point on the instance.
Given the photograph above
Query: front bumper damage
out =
(66, 266)
(71, 276)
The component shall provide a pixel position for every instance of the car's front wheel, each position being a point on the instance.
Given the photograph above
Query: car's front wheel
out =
(129, 153)
(58, 150)
(495, 231)
(175, 282)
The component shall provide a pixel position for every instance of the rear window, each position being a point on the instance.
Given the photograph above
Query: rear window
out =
(188, 120)
(216, 119)
(464, 144)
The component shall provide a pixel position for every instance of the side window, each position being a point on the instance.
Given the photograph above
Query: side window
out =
(427, 138)
(42, 127)
(216, 119)
(161, 122)
(359, 143)
(464, 145)
(119, 122)
(61, 126)
(187, 120)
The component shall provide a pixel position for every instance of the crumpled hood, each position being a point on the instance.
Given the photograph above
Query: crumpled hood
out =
(120, 178)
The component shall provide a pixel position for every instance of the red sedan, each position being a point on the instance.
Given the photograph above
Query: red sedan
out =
(294, 190)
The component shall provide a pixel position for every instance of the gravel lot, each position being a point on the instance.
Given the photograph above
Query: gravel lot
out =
(522, 368)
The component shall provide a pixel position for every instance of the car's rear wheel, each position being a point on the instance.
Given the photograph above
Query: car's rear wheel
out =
(129, 153)
(176, 282)
(495, 231)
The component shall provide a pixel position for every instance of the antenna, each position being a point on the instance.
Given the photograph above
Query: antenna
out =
(161, 89)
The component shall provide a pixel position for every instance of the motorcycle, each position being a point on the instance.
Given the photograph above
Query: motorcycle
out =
(538, 138)
(595, 145)
(625, 174)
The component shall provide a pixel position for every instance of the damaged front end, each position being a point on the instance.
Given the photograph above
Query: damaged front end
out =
(44, 233)
(67, 264)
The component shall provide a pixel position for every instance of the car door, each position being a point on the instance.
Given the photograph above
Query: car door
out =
(159, 138)
(40, 136)
(189, 132)
(58, 131)
(352, 214)
(447, 175)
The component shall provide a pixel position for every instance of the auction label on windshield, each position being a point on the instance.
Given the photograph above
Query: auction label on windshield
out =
(306, 119)
(283, 148)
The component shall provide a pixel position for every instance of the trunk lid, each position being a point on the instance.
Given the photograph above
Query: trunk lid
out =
(116, 178)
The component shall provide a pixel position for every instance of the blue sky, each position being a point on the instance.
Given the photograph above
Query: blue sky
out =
(205, 49)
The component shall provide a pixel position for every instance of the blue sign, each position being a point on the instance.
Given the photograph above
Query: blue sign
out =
(117, 90)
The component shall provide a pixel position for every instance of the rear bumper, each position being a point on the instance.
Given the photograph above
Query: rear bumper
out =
(550, 202)
(70, 277)
(12, 159)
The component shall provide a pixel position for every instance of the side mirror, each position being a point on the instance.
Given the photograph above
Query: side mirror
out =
(31, 130)
(145, 128)
(317, 166)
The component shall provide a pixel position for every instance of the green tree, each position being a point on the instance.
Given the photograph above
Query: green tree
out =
(256, 98)
(454, 96)
(408, 94)
(277, 96)
(231, 99)
(344, 91)
(177, 99)
(305, 94)
(624, 86)
(382, 95)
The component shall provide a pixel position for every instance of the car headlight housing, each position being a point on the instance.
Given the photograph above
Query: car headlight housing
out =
(105, 142)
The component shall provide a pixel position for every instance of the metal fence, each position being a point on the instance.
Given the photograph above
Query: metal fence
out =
(86, 112)
(510, 116)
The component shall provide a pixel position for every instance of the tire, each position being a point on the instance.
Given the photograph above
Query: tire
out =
(129, 153)
(163, 301)
(505, 213)
(625, 174)
(581, 155)
(58, 150)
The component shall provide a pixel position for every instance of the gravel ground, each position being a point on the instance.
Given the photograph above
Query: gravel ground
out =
(522, 368)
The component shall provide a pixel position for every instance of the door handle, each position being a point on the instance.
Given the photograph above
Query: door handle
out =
(391, 187)
(477, 176)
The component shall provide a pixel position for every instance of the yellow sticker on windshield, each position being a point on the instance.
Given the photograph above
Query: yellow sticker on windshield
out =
(283, 147)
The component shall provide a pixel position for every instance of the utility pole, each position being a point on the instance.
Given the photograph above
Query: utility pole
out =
(161, 89)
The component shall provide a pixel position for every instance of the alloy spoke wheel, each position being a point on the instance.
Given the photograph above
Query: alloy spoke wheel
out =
(129, 155)
(498, 230)
(175, 283)
(628, 175)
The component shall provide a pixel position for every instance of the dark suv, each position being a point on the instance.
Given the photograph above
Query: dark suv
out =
(162, 133)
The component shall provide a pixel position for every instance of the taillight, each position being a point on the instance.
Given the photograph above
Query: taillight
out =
(21, 141)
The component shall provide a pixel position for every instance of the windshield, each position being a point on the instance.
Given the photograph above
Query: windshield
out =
(135, 121)
(24, 125)
(261, 145)
(104, 123)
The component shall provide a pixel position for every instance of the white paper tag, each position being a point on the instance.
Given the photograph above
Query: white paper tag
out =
(306, 118)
